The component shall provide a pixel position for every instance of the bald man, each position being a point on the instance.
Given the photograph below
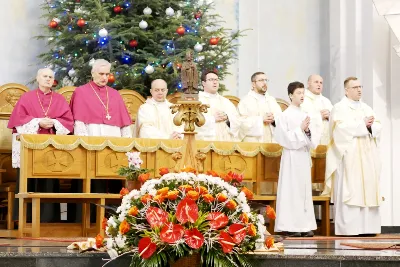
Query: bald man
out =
(40, 111)
(317, 107)
(155, 119)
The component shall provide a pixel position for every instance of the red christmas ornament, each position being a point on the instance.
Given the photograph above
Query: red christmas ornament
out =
(78, 1)
(117, 9)
(197, 15)
(214, 41)
(180, 30)
(133, 43)
(55, 83)
(111, 78)
(81, 23)
(53, 24)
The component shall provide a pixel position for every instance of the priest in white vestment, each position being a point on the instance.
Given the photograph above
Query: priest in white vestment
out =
(222, 120)
(353, 165)
(258, 110)
(155, 119)
(318, 107)
(294, 205)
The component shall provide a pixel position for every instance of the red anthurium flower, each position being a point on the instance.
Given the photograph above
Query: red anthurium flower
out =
(270, 213)
(156, 217)
(194, 238)
(217, 220)
(269, 242)
(171, 233)
(238, 232)
(226, 242)
(124, 191)
(146, 247)
(187, 211)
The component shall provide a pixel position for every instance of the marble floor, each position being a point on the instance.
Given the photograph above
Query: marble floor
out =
(296, 252)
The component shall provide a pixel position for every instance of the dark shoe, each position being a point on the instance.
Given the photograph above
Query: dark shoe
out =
(294, 234)
(307, 234)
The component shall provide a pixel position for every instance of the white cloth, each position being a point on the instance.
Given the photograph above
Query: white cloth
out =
(252, 109)
(218, 131)
(353, 169)
(294, 205)
(312, 105)
(92, 129)
(155, 120)
(31, 127)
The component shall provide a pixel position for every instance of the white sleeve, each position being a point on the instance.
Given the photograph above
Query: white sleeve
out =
(146, 121)
(126, 131)
(290, 138)
(60, 129)
(80, 128)
(31, 127)
(207, 131)
(361, 129)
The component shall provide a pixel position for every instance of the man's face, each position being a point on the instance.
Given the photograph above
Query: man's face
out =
(354, 90)
(45, 79)
(260, 84)
(211, 84)
(315, 84)
(298, 96)
(159, 91)
(100, 75)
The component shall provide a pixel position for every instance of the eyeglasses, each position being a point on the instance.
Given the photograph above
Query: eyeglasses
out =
(213, 80)
(356, 87)
(160, 90)
(263, 80)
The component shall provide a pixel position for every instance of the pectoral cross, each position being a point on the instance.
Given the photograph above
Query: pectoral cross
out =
(108, 116)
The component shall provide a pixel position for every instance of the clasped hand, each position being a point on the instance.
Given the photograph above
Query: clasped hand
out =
(46, 123)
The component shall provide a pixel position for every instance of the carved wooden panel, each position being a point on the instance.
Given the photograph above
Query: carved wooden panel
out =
(163, 159)
(51, 161)
(235, 163)
(9, 96)
(67, 92)
(108, 162)
(133, 100)
(271, 168)
(5, 135)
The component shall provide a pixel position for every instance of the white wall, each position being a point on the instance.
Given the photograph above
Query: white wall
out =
(286, 42)
(19, 22)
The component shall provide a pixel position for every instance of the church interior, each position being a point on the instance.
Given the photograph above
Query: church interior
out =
(288, 40)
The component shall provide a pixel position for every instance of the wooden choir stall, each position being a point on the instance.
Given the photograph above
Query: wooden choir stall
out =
(86, 158)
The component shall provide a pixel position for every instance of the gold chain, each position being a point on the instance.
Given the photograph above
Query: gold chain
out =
(41, 105)
(101, 101)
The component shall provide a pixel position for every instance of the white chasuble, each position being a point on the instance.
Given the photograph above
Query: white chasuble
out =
(252, 109)
(218, 131)
(353, 169)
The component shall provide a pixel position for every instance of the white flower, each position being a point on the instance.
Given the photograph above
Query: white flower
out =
(153, 192)
(110, 243)
(246, 208)
(120, 241)
(112, 222)
(261, 218)
(113, 253)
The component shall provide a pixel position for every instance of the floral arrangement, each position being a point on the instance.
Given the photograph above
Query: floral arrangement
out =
(133, 172)
(185, 214)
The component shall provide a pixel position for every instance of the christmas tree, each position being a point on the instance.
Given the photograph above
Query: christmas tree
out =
(144, 40)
